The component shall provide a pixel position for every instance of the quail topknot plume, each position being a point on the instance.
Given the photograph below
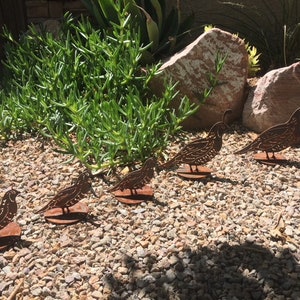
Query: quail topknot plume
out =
(276, 138)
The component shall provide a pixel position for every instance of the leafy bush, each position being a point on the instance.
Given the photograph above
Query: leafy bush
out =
(85, 89)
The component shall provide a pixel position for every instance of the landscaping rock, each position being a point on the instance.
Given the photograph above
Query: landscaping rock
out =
(274, 99)
(191, 67)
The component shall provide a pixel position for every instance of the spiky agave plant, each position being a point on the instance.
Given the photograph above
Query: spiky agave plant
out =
(164, 30)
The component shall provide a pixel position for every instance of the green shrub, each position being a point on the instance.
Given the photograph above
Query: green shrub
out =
(85, 89)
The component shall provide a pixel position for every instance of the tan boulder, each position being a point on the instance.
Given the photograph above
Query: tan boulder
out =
(273, 100)
(191, 67)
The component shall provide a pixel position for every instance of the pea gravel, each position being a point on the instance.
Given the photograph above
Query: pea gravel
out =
(234, 236)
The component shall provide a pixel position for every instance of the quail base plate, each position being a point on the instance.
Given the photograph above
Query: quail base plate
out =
(196, 173)
(134, 196)
(262, 158)
(69, 216)
(9, 235)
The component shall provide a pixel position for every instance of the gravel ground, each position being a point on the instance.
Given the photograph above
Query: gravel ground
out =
(235, 236)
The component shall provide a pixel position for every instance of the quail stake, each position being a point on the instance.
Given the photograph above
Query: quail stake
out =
(277, 137)
(8, 207)
(71, 195)
(137, 179)
(202, 150)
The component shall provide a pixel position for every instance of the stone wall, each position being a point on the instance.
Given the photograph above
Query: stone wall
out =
(41, 10)
(206, 12)
(260, 22)
(225, 17)
(13, 17)
(13, 13)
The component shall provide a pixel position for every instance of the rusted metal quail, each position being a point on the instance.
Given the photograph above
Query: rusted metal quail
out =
(71, 195)
(202, 150)
(8, 207)
(137, 179)
(276, 138)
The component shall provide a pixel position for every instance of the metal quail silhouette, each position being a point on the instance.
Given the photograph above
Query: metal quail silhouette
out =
(277, 137)
(8, 207)
(71, 195)
(138, 178)
(202, 150)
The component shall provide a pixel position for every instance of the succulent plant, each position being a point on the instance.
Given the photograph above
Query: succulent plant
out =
(162, 31)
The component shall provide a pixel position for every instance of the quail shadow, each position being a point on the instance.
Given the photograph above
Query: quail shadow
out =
(147, 199)
(92, 219)
(23, 243)
(11, 241)
(292, 163)
(70, 216)
(160, 203)
(222, 179)
(246, 271)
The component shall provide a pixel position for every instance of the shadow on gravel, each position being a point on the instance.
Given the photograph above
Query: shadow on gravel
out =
(220, 179)
(292, 163)
(245, 271)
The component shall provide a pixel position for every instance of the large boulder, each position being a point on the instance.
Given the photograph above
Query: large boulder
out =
(191, 67)
(273, 100)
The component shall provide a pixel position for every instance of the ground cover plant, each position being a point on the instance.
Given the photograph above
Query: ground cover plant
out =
(85, 89)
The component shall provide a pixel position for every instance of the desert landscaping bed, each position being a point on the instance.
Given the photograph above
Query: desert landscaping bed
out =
(234, 236)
